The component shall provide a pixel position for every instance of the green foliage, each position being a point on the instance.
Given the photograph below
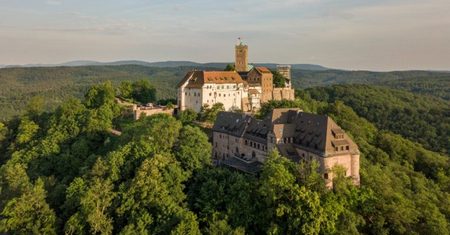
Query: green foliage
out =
(187, 116)
(125, 89)
(230, 67)
(278, 79)
(210, 114)
(61, 172)
(193, 150)
(143, 92)
(29, 213)
(57, 84)
(422, 119)
(26, 131)
(35, 106)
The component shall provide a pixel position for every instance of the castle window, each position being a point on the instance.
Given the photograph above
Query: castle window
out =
(325, 176)
(337, 148)
(210, 94)
(237, 150)
(246, 142)
(253, 154)
(347, 147)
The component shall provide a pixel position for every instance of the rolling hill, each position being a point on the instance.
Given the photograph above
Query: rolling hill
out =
(57, 84)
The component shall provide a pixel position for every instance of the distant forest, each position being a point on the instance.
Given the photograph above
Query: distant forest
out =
(57, 84)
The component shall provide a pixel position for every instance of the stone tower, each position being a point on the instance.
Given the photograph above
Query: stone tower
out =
(285, 70)
(241, 59)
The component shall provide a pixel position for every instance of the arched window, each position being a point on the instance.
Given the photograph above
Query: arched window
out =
(253, 154)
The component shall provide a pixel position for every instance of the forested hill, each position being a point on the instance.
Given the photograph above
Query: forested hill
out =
(421, 82)
(422, 119)
(57, 84)
(61, 172)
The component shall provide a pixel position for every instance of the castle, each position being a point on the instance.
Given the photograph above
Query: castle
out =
(245, 88)
(243, 142)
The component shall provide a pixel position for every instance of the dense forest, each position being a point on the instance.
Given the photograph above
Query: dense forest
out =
(423, 119)
(63, 172)
(57, 84)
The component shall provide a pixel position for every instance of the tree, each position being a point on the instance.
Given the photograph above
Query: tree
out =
(143, 92)
(152, 201)
(278, 79)
(215, 191)
(230, 67)
(193, 150)
(125, 89)
(156, 133)
(100, 95)
(210, 114)
(3, 132)
(26, 131)
(29, 213)
(220, 226)
(187, 116)
(290, 207)
(35, 105)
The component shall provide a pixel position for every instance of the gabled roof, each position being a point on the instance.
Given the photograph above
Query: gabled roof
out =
(197, 79)
(312, 132)
(231, 123)
(262, 70)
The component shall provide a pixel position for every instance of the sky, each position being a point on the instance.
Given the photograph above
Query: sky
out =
(378, 35)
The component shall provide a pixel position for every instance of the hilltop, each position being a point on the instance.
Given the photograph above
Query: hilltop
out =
(57, 84)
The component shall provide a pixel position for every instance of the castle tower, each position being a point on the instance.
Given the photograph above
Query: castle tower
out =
(241, 57)
(285, 70)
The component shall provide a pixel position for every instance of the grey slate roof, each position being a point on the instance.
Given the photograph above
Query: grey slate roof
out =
(311, 132)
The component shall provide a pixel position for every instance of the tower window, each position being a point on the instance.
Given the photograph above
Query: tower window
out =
(325, 176)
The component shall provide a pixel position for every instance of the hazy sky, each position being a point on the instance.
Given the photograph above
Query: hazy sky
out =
(349, 34)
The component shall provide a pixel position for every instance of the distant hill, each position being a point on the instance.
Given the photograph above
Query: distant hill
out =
(57, 84)
(163, 64)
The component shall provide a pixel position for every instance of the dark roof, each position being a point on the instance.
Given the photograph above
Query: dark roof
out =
(248, 167)
(257, 130)
(312, 132)
(231, 123)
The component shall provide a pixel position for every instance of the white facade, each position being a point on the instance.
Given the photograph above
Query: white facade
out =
(229, 94)
(203, 88)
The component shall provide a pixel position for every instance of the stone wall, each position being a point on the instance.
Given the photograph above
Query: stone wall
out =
(283, 94)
